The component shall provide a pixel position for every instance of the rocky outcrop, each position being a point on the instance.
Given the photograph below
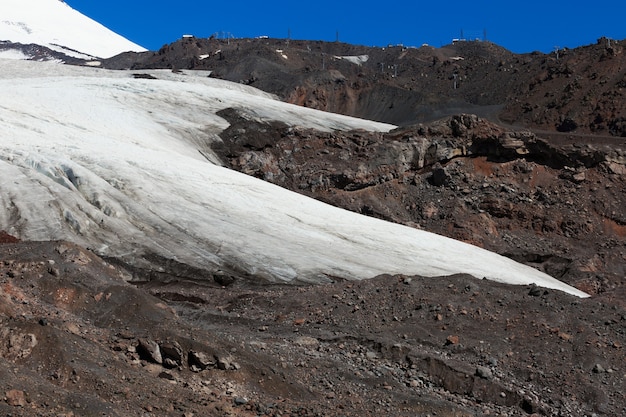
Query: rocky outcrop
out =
(277, 153)
(578, 90)
(462, 177)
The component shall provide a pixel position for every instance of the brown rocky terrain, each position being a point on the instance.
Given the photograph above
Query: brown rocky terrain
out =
(555, 204)
(83, 336)
(80, 340)
(570, 90)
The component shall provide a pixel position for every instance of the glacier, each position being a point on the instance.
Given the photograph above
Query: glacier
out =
(124, 166)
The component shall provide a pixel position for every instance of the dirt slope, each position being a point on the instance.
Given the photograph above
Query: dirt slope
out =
(78, 339)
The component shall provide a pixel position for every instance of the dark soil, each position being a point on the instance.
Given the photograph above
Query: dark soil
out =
(80, 340)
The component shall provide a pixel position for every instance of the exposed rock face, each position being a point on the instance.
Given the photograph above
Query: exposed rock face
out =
(557, 205)
(172, 354)
(39, 53)
(199, 361)
(150, 350)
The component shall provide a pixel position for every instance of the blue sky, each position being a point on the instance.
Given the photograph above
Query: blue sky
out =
(518, 26)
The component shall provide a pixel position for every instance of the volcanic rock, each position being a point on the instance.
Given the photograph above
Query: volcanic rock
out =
(151, 350)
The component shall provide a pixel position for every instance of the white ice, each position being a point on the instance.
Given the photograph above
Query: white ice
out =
(12, 54)
(55, 24)
(114, 163)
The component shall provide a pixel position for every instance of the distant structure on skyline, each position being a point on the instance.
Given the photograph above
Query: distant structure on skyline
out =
(472, 35)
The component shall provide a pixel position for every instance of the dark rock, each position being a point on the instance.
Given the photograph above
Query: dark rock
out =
(201, 360)
(167, 375)
(567, 125)
(439, 176)
(149, 350)
(224, 362)
(223, 278)
(598, 369)
(535, 291)
(145, 76)
(484, 372)
(498, 207)
(240, 401)
(172, 354)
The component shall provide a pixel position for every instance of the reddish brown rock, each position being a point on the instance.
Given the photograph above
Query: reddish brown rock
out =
(16, 398)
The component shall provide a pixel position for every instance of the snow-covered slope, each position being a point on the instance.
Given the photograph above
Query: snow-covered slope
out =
(113, 163)
(54, 24)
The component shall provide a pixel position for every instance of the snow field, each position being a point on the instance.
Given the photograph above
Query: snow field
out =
(112, 163)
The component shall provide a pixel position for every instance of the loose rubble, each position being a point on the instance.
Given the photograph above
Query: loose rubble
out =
(393, 345)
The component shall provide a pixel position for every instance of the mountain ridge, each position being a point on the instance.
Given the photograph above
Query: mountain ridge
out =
(404, 86)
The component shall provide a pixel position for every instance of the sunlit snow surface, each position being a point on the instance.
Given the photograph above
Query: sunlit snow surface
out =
(114, 164)
(54, 24)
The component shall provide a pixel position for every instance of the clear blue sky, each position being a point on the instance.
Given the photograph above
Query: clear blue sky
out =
(518, 26)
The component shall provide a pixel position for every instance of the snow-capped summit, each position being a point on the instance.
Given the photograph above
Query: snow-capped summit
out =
(54, 24)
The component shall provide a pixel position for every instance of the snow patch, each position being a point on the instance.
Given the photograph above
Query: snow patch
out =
(357, 59)
(13, 54)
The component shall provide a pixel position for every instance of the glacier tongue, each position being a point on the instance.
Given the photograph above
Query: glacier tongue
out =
(113, 163)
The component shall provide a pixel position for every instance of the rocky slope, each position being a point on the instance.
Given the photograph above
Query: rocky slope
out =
(79, 339)
(558, 205)
(579, 90)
